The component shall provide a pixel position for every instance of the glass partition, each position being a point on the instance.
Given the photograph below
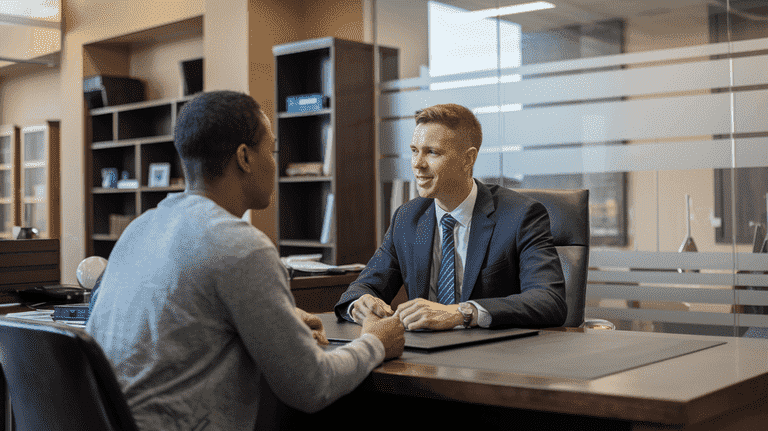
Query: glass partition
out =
(656, 107)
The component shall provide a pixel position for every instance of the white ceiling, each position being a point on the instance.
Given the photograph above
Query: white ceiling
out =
(572, 12)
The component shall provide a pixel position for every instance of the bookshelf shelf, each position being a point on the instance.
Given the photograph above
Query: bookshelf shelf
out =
(304, 114)
(305, 243)
(305, 179)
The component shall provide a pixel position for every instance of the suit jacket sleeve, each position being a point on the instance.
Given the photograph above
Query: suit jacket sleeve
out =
(381, 278)
(533, 258)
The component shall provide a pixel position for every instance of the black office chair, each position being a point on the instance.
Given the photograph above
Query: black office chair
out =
(59, 379)
(569, 221)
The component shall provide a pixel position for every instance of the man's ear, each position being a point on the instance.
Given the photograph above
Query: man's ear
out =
(243, 158)
(470, 156)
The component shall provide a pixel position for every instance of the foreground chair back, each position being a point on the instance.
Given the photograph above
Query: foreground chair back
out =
(59, 379)
(569, 221)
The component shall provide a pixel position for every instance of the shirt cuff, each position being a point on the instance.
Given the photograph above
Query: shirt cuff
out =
(348, 316)
(483, 316)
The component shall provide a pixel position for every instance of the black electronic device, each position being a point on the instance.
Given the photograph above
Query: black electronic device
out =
(52, 294)
(101, 90)
(71, 312)
(192, 76)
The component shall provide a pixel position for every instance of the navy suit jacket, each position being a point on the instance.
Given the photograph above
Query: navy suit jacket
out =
(512, 267)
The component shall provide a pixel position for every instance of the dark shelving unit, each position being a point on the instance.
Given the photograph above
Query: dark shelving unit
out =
(343, 72)
(129, 138)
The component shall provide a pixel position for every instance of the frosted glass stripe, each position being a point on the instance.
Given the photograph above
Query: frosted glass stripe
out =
(707, 114)
(692, 317)
(593, 62)
(396, 134)
(688, 294)
(750, 152)
(660, 277)
(670, 260)
(704, 75)
(665, 118)
(673, 277)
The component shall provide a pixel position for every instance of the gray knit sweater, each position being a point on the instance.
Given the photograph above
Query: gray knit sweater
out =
(195, 307)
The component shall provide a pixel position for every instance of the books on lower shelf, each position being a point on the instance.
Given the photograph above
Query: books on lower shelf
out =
(327, 232)
(304, 169)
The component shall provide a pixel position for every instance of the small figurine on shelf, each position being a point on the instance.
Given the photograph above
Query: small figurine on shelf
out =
(126, 182)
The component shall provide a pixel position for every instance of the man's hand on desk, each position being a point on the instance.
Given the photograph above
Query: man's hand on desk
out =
(315, 324)
(368, 305)
(390, 331)
(420, 313)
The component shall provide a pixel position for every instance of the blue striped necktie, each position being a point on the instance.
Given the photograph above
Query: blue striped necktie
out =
(446, 279)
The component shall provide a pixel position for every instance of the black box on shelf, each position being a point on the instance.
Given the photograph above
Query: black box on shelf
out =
(192, 76)
(101, 91)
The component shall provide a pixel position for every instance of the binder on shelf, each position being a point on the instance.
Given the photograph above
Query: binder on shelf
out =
(325, 235)
(327, 149)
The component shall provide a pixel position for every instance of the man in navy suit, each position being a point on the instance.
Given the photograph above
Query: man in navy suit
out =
(501, 268)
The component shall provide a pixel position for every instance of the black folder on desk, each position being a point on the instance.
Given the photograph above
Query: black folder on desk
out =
(426, 340)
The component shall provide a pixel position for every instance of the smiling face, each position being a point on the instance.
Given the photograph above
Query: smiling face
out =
(442, 164)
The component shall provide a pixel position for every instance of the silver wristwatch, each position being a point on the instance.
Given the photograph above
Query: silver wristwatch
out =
(467, 310)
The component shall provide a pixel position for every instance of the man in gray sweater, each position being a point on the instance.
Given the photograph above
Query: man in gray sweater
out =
(194, 306)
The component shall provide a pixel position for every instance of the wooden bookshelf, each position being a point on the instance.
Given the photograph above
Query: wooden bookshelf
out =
(129, 138)
(343, 72)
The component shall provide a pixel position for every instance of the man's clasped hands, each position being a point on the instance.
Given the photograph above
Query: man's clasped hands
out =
(415, 314)
(378, 318)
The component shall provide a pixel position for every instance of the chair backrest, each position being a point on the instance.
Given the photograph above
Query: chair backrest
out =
(59, 379)
(569, 221)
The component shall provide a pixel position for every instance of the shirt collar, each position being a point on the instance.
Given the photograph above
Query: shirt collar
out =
(463, 212)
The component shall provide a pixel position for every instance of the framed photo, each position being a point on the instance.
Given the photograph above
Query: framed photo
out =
(159, 174)
(109, 178)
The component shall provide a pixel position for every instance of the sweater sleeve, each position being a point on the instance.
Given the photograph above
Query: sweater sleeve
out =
(255, 292)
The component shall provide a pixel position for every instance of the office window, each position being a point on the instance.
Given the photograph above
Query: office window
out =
(656, 107)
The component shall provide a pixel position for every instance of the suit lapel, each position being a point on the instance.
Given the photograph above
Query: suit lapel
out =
(421, 258)
(480, 235)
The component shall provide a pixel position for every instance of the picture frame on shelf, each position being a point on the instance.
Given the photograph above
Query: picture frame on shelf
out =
(109, 178)
(159, 175)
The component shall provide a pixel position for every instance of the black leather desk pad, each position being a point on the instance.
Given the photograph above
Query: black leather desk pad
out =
(566, 355)
(426, 340)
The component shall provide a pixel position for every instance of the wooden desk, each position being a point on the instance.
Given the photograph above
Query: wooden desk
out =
(723, 387)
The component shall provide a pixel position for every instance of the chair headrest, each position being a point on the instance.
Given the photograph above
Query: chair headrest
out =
(568, 213)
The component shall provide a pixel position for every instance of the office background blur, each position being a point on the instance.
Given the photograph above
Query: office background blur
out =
(657, 107)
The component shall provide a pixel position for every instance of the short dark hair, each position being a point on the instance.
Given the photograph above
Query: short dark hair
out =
(454, 117)
(211, 126)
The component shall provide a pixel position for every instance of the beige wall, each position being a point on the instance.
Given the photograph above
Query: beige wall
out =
(29, 98)
(158, 65)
